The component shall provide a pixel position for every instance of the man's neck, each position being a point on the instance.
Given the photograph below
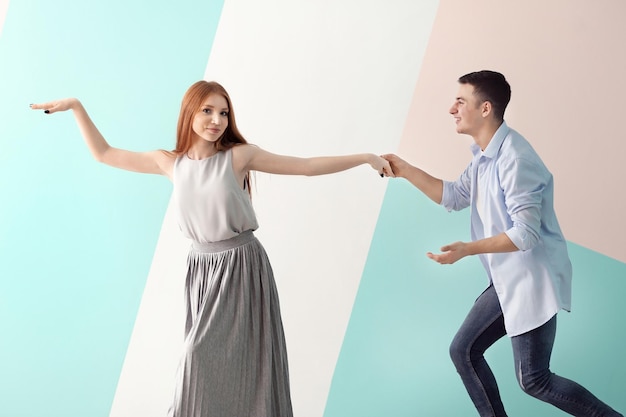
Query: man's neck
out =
(484, 136)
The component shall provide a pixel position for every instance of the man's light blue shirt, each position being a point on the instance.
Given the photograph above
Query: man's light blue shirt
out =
(517, 196)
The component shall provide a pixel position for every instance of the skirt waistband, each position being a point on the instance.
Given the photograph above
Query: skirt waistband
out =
(223, 245)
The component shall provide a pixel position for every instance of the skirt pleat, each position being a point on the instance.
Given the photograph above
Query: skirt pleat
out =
(234, 361)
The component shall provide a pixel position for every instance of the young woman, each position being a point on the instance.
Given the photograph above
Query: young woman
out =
(235, 359)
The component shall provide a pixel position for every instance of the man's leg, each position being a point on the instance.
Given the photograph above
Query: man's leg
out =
(531, 352)
(482, 327)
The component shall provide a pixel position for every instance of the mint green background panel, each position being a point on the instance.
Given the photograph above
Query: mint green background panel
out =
(77, 237)
(394, 360)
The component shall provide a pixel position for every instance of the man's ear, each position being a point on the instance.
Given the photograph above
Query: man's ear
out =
(486, 108)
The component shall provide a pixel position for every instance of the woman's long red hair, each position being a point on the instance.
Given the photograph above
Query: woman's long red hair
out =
(191, 105)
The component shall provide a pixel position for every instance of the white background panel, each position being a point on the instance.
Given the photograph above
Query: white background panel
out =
(306, 78)
(315, 78)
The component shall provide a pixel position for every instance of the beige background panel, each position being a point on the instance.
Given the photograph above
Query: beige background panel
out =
(566, 62)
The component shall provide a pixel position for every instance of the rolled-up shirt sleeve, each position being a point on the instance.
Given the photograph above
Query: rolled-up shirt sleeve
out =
(457, 194)
(523, 183)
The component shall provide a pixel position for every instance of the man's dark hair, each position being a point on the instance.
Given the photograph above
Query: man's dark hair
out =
(490, 86)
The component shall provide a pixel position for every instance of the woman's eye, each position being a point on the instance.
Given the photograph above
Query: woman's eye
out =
(206, 111)
(224, 113)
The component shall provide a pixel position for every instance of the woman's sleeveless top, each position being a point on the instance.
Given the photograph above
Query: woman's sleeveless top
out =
(209, 203)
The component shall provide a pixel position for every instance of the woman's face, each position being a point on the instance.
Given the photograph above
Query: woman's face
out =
(211, 120)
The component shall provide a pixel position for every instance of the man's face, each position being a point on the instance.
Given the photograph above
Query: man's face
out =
(467, 111)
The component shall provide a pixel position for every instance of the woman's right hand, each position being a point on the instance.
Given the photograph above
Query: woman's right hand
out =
(154, 162)
(56, 105)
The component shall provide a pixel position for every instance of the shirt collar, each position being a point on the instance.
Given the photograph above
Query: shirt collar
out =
(494, 144)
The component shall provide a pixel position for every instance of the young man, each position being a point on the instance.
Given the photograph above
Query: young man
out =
(515, 232)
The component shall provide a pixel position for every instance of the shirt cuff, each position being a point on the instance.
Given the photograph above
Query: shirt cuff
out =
(521, 238)
(445, 195)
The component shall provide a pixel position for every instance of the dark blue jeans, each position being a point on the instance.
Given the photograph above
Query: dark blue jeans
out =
(483, 326)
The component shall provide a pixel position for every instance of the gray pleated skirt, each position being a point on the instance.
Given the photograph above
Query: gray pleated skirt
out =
(234, 362)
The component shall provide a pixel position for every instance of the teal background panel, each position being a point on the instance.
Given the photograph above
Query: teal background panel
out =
(394, 358)
(77, 237)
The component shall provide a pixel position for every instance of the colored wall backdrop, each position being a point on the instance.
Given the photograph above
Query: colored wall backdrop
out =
(91, 260)
(566, 81)
(77, 238)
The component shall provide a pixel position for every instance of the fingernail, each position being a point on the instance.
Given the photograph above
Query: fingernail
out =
(46, 111)
(30, 105)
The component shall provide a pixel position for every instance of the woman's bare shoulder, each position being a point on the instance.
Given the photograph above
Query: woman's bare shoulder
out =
(165, 160)
(242, 154)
